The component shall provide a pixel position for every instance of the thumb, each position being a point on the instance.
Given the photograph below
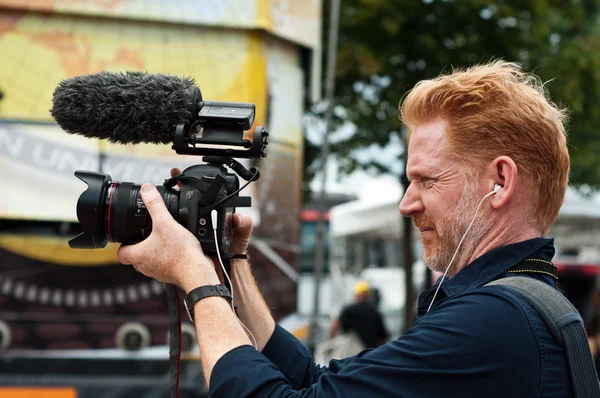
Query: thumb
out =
(154, 203)
(127, 253)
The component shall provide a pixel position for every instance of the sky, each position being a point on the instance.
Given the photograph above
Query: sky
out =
(356, 182)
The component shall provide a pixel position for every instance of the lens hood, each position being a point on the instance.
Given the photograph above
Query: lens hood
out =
(90, 211)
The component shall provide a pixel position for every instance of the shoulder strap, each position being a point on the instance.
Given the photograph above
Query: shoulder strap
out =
(566, 325)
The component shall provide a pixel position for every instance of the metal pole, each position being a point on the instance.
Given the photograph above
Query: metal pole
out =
(407, 246)
(334, 20)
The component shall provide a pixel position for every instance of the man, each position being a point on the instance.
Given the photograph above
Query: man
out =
(470, 131)
(362, 318)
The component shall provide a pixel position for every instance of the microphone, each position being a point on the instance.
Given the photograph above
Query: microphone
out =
(126, 108)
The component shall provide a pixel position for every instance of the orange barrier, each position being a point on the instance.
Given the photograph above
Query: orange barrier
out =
(38, 392)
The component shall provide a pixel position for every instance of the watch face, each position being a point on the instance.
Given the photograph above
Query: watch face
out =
(54, 297)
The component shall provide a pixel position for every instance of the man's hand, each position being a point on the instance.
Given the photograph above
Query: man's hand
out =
(171, 253)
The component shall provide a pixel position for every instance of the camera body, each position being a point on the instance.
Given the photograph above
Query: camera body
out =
(114, 211)
(195, 205)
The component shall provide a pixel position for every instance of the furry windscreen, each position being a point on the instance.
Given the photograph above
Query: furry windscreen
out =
(130, 107)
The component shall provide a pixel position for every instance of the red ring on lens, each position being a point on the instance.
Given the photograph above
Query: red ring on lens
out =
(112, 191)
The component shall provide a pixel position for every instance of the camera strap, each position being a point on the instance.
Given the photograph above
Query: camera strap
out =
(174, 310)
(536, 266)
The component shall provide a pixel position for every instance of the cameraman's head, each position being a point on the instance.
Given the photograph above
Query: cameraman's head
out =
(471, 129)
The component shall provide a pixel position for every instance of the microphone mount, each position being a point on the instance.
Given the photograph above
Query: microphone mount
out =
(219, 129)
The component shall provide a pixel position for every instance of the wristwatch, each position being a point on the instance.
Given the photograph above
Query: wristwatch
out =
(204, 291)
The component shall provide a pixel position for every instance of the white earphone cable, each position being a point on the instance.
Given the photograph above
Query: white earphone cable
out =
(214, 223)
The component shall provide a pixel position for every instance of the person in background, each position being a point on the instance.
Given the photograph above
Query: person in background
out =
(362, 317)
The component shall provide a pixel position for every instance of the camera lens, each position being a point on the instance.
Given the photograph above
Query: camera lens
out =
(114, 212)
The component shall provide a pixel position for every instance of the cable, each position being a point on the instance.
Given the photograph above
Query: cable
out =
(213, 215)
(458, 247)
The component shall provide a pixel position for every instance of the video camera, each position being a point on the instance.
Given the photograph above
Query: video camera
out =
(114, 211)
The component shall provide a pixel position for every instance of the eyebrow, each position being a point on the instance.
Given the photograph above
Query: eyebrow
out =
(417, 172)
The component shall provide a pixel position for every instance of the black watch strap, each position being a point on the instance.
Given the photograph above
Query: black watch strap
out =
(204, 291)
(242, 256)
(227, 256)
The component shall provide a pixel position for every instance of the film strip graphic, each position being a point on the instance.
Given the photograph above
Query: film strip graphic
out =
(79, 297)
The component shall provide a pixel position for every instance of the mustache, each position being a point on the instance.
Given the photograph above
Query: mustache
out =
(422, 222)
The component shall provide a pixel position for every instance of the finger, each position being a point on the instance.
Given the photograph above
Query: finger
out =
(243, 230)
(155, 204)
(243, 225)
(174, 173)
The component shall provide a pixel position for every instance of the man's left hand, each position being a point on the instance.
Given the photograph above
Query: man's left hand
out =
(171, 253)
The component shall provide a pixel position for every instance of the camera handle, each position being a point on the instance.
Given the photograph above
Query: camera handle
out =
(252, 174)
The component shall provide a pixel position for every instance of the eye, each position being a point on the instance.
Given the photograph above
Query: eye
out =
(427, 182)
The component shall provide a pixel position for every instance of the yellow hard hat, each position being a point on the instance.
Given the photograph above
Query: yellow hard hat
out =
(361, 287)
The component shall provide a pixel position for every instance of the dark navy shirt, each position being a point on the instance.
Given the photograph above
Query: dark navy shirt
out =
(475, 341)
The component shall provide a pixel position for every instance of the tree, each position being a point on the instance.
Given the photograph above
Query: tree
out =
(387, 46)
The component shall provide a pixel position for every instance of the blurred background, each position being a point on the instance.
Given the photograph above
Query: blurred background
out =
(326, 78)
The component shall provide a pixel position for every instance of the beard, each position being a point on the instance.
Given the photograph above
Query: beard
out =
(439, 245)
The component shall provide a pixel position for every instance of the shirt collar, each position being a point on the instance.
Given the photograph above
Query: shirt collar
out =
(496, 262)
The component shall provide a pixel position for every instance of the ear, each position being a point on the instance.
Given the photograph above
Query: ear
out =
(503, 171)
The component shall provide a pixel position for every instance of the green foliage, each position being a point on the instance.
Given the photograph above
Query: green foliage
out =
(386, 46)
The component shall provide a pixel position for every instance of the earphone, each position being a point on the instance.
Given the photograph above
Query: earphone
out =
(497, 187)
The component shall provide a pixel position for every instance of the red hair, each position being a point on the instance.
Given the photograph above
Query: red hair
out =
(497, 109)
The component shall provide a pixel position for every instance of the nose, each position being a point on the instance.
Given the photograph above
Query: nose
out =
(411, 202)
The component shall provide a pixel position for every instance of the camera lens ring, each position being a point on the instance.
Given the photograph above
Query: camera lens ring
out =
(122, 209)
